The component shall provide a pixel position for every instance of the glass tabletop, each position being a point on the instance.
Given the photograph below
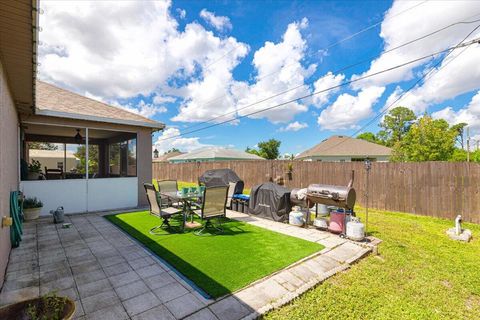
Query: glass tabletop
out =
(180, 196)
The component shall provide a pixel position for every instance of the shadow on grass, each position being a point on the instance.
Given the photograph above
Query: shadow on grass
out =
(209, 286)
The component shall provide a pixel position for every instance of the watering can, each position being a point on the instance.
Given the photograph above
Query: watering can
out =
(57, 215)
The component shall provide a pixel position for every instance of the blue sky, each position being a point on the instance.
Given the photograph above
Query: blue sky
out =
(169, 60)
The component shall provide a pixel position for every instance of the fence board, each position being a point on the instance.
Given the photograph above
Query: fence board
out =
(438, 189)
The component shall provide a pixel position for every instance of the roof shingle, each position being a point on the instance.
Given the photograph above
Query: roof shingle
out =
(345, 146)
(55, 101)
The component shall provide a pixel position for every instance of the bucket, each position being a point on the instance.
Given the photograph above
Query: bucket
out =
(337, 221)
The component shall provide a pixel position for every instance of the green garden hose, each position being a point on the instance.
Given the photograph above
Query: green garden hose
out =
(15, 212)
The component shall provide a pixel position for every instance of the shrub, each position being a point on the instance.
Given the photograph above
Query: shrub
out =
(30, 203)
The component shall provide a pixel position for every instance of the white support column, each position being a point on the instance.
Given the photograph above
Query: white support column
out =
(86, 166)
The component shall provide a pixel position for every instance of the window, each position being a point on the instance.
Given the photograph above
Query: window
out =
(122, 160)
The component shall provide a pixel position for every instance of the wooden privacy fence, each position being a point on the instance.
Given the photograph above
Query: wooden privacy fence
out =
(437, 189)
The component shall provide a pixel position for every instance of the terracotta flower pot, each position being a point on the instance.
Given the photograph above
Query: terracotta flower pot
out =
(18, 311)
(31, 213)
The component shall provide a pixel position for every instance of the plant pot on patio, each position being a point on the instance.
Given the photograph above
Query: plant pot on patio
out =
(46, 307)
(32, 208)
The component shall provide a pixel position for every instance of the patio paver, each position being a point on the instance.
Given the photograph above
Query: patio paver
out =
(111, 276)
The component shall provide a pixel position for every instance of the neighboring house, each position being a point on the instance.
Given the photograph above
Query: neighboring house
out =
(54, 159)
(119, 142)
(165, 157)
(345, 149)
(214, 154)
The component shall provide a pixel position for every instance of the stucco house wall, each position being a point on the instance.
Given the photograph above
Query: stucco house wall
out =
(8, 164)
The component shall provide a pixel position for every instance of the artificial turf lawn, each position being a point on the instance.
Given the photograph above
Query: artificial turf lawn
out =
(222, 263)
(420, 273)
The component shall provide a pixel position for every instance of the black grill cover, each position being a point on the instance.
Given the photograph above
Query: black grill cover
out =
(221, 177)
(271, 201)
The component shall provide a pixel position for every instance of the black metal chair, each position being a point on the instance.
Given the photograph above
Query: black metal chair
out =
(213, 206)
(164, 213)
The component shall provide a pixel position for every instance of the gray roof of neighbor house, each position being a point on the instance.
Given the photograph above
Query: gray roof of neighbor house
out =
(166, 156)
(345, 146)
(57, 102)
(212, 153)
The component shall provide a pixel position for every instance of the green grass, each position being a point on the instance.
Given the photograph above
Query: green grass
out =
(419, 274)
(223, 263)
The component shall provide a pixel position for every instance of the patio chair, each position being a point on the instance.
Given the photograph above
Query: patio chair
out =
(213, 206)
(53, 174)
(165, 213)
(168, 186)
(231, 190)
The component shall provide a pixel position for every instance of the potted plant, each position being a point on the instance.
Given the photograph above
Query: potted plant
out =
(32, 208)
(34, 170)
(49, 306)
(289, 170)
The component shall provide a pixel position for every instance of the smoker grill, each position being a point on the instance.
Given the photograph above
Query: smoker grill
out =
(331, 195)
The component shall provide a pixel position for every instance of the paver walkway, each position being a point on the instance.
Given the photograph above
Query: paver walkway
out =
(111, 276)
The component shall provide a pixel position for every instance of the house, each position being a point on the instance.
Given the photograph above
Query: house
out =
(54, 158)
(165, 157)
(214, 154)
(345, 149)
(116, 143)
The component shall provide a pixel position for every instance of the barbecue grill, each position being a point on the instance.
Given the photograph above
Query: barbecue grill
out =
(330, 195)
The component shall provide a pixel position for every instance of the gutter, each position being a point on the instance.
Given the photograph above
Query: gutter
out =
(157, 125)
(35, 41)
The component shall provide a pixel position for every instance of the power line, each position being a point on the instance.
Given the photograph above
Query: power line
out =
(424, 77)
(321, 91)
(336, 71)
(208, 102)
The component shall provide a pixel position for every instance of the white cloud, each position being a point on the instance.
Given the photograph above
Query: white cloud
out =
(454, 78)
(122, 51)
(418, 22)
(294, 126)
(327, 81)
(142, 108)
(470, 114)
(279, 68)
(181, 13)
(159, 99)
(347, 110)
(218, 22)
(181, 143)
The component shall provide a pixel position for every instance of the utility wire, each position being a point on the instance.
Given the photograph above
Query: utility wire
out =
(336, 71)
(425, 77)
(209, 102)
(321, 91)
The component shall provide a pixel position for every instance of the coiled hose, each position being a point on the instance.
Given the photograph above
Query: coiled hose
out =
(17, 217)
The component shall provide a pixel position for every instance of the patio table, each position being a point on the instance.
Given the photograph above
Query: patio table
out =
(187, 200)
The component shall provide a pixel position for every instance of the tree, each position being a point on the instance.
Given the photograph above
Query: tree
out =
(42, 146)
(459, 127)
(266, 149)
(370, 137)
(427, 140)
(92, 158)
(395, 125)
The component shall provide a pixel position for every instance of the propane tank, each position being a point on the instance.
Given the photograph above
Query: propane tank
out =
(296, 217)
(355, 229)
